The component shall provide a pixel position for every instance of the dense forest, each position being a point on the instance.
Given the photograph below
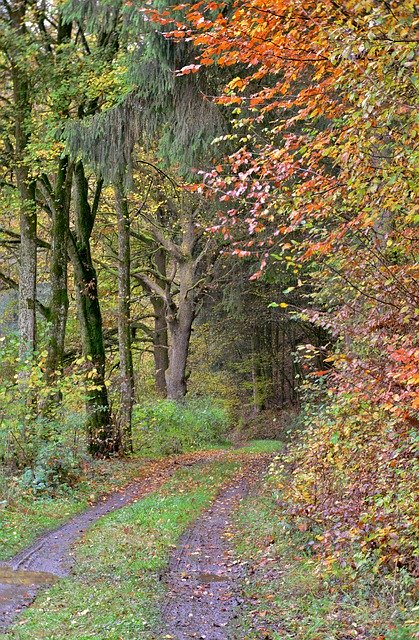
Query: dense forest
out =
(209, 256)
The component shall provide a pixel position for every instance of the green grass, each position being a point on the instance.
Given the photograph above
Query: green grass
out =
(262, 446)
(26, 515)
(116, 590)
(287, 597)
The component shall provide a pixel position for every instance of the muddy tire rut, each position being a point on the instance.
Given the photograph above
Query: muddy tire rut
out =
(203, 580)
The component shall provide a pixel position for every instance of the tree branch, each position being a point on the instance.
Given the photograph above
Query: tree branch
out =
(12, 284)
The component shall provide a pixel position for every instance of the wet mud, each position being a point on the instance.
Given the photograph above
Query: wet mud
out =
(51, 556)
(203, 580)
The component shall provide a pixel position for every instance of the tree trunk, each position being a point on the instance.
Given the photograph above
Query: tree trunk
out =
(102, 441)
(28, 270)
(180, 328)
(60, 212)
(180, 333)
(26, 189)
(59, 259)
(124, 325)
(257, 378)
(160, 338)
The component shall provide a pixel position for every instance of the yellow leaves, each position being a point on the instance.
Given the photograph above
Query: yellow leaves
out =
(237, 84)
(337, 357)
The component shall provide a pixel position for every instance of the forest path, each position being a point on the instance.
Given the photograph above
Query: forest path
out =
(203, 580)
(50, 556)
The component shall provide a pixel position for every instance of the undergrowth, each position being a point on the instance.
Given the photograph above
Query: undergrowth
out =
(290, 594)
(24, 514)
(165, 427)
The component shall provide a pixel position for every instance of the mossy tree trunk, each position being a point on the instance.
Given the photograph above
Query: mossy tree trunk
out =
(102, 439)
(58, 310)
(59, 198)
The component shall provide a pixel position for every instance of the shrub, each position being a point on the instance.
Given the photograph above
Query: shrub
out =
(56, 470)
(166, 427)
(353, 483)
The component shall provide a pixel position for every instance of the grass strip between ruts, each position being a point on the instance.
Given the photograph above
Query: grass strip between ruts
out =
(116, 588)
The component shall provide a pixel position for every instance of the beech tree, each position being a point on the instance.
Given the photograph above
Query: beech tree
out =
(179, 276)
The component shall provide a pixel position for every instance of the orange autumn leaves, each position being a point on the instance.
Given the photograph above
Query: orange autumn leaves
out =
(323, 160)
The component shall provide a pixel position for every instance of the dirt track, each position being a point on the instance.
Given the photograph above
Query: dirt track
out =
(51, 556)
(203, 581)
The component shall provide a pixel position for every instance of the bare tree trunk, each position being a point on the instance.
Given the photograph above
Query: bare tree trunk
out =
(180, 328)
(160, 338)
(257, 377)
(26, 189)
(160, 346)
(124, 310)
(28, 271)
(180, 333)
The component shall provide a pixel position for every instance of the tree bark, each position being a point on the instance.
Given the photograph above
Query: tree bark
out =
(160, 338)
(60, 211)
(124, 314)
(59, 273)
(28, 270)
(258, 382)
(26, 189)
(102, 440)
(180, 328)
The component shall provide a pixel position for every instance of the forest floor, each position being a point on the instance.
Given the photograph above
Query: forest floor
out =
(194, 548)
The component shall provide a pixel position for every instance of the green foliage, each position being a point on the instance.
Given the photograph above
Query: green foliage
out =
(166, 427)
(56, 469)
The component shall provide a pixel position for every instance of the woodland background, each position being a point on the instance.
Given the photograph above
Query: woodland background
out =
(209, 218)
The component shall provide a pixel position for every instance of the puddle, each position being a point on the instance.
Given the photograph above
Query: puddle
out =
(29, 578)
(210, 577)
